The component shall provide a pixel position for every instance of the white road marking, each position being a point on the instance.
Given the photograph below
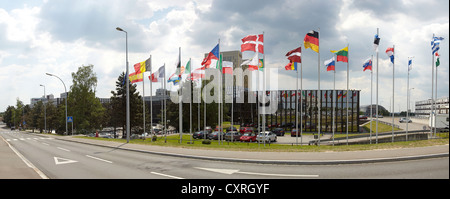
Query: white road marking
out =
(45, 144)
(63, 149)
(59, 161)
(99, 159)
(232, 171)
(165, 175)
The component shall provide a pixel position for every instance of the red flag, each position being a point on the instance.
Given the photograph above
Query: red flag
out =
(295, 55)
(253, 43)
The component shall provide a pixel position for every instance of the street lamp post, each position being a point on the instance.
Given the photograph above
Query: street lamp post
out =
(128, 84)
(67, 97)
(45, 110)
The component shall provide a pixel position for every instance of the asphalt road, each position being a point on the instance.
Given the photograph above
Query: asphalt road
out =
(59, 159)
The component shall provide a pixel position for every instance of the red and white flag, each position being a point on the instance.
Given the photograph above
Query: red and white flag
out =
(295, 55)
(253, 43)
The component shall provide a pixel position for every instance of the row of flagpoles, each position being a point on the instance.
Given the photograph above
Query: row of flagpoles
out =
(255, 43)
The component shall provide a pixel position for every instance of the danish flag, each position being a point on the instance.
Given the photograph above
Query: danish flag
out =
(253, 43)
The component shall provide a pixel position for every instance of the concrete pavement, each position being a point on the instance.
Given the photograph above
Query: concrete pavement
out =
(14, 167)
(294, 158)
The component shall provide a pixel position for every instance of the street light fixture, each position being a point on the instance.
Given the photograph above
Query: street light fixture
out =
(67, 97)
(45, 110)
(128, 84)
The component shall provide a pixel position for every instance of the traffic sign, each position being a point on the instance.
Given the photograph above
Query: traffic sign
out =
(69, 118)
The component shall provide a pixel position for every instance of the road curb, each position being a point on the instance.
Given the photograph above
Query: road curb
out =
(281, 162)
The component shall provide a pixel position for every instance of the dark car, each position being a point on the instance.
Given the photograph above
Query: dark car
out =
(215, 135)
(248, 137)
(294, 133)
(232, 136)
(231, 129)
(278, 131)
(200, 135)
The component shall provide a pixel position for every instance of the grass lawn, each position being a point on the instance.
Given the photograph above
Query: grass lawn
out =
(173, 141)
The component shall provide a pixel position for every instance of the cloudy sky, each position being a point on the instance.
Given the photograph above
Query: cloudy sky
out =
(58, 36)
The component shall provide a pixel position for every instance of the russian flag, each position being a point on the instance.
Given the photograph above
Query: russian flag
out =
(367, 64)
(390, 53)
(214, 54)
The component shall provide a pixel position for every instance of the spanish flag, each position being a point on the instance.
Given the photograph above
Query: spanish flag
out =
(136, 77)
(312, 41)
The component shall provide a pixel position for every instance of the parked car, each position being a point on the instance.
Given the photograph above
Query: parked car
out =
(208, 129)
(215, 135)
(200, 135)
(294, 133)
(404, 119)
(363, 117)
(278, 131)
(244, 130)
(266, 136)
(231, 129)
(232, 136)
(248, 137)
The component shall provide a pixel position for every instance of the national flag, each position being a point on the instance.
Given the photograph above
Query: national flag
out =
(136, 77)
(409, 64)
(330, 64)
(342, 55)
(187, 69)
(339, 94)
(252, 63)
(435, 43)
(156, 76)
(390, 53)
(253, 43)
(367, 64)
(197, 74)
(227, 67)
(376, 42)
(214, 54)
(312, 41)
(292, 66)
(143, 66)
(174, 78)
(261, 64)
(295, 55)
(437, 60)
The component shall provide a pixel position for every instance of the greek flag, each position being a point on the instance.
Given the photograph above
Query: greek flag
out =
(435, 43)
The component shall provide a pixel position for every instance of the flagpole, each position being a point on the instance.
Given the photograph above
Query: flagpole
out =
(432, 91)
(346, 125)
(296, 108)
(264, 98)
(219, 97)
(143, 105)
(151, 98)
(376, 110)
(332, 104)
(371, 104)
(190, 100)
(393, 93)
(319, 95)
(407, 101)
(301, 102)
(163, 105)
(435, 98)
(180, 99)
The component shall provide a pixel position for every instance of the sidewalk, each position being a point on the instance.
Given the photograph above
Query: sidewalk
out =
(295, 158)
(12, 166)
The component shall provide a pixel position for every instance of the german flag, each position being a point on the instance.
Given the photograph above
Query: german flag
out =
(312, 41)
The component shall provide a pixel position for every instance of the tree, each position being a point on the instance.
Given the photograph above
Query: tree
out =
(86, 109)
(118, 106)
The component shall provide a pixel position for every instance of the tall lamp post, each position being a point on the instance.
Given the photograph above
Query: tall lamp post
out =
(128, 85)
(67, 97)
(45, 110)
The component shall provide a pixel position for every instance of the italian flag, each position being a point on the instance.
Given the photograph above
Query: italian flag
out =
(342, 55)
